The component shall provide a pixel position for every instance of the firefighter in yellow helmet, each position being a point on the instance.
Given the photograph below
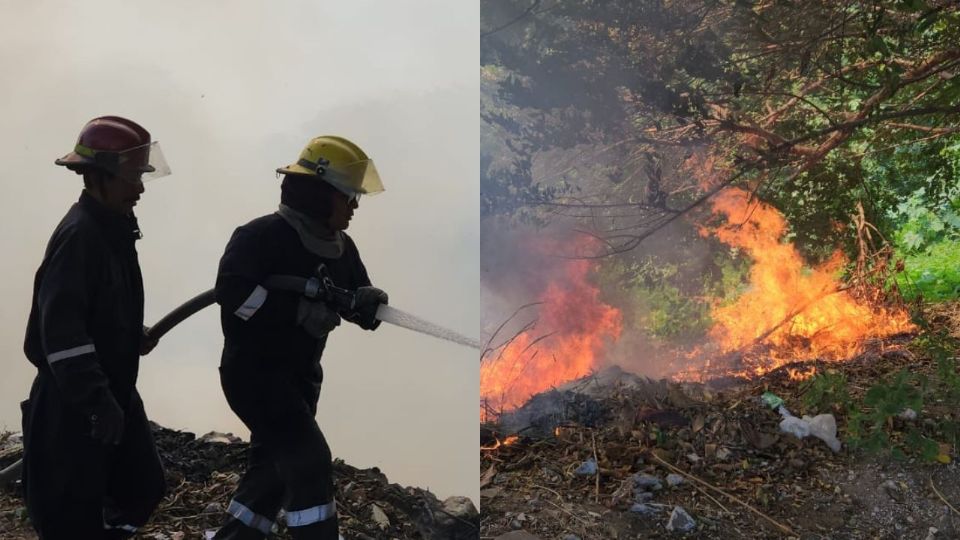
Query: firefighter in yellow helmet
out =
(273, 340)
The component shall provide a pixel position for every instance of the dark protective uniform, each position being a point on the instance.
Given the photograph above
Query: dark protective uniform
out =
(83, 336)
(270, 372)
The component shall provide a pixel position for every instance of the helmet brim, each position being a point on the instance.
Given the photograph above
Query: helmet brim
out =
(369, 185)
(297, 169)
(74, 160)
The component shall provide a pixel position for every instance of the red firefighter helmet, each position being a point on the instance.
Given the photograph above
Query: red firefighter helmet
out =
(117, 146)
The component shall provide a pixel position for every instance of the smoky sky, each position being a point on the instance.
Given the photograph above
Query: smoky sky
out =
(233, 90)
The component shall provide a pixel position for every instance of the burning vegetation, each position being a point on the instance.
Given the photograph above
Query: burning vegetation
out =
(788, 312)
(769, 192)
(565, 342)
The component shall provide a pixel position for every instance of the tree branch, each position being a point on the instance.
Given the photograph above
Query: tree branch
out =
(528, 11)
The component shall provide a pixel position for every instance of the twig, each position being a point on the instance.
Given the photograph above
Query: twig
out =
(569, 513)
(526, 12)
(635, 240)
(715, 501)
(935, 490)
(488, 348)
(734, 498)
(550, 490)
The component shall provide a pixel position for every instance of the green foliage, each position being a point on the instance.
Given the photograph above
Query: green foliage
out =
(730, 278)
(924, 446)
(868, 425)
(673, 315)
(933, 273)
(927, 238)
(826, 391)
(923, 226)
(943, 350)
(652, 294)
(753, 85)
(668, 296)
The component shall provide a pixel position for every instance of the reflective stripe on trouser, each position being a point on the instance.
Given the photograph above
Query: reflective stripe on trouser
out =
(250, 518)
(289, 466)
(314, 514)
(260, 491)
(121, 527)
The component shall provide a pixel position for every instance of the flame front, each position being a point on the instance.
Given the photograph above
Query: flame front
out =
(800, 313)
(566, 343)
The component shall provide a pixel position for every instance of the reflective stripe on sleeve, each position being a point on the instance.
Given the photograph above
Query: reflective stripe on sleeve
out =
(309, 516)
(249, 518)
(252, 304)
(70, 353)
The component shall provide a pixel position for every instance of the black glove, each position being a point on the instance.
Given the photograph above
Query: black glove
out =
(365, 304)
(106, 421)
(316, 318)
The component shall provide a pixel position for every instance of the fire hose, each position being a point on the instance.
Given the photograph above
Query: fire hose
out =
(319, 287)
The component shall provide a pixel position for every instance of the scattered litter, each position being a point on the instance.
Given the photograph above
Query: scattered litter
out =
(821, 426)
(379, 517)
(647, 482)
(680, 520)
(795, 426)
(643, 509)
(213, 508)
(771, 400)
(907, 414)
(587, 468)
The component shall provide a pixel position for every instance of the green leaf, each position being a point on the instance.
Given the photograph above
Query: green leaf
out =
(912, 240)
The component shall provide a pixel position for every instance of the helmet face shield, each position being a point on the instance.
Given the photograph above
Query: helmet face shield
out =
(138, 164)
(143, 163)
(357, 177)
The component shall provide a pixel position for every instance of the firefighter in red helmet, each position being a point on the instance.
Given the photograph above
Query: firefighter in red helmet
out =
(91, 469)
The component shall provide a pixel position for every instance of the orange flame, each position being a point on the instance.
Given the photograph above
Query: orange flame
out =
(567, 342)
(801, 374)
(800, 312)
(506, 442)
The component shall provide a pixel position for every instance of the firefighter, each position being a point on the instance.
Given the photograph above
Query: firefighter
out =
(273, 340)
(91, 469)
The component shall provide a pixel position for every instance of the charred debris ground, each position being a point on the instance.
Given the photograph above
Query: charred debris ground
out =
(618, 456)
(202, 473)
